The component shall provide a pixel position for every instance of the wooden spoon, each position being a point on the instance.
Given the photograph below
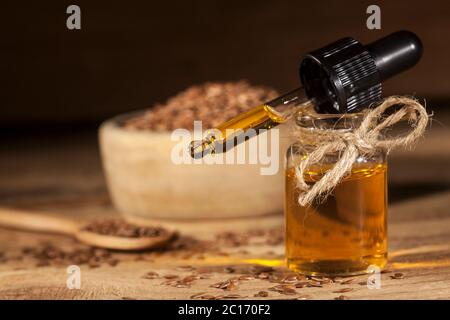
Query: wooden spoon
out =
(41, 222)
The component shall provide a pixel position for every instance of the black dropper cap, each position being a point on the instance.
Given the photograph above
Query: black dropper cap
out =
(346, 76)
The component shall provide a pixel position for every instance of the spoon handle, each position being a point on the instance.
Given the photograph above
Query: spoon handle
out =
(36, 221)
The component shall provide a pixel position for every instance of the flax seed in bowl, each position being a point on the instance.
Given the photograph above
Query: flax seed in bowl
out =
(146, 186)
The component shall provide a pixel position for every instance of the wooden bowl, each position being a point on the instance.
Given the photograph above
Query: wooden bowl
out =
(145, 184)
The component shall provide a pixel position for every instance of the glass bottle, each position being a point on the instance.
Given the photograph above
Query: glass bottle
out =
(345, 233)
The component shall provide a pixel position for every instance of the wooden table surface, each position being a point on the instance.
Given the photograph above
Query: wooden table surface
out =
(62, 176)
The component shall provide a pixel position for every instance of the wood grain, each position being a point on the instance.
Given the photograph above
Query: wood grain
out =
(422, 254)
(67, 181)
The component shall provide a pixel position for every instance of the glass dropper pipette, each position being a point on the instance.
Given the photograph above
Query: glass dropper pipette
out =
(342, 77)
(238, 129)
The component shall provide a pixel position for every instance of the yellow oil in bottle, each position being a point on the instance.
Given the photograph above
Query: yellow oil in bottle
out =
(343, 234)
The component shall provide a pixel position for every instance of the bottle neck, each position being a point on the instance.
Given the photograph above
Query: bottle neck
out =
(308, 118)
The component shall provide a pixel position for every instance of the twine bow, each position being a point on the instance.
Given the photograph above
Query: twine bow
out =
(363, 141)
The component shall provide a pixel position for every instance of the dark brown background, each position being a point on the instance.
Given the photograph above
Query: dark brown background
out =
(130, 54)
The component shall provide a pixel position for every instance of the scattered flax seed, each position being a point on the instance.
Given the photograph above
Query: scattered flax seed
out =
(257, 269)
(190, 278)
(326, 281)
(263, 294)
(275, 278)
(170, 282)
(314, 284)
(113, 262)
(232, 296)
(246, 277)
(187, 256)
(284, 289)
(24, 250)
(93, 264)
(230, 284)
(301, 284)
(229, 270)
(320, 280)
(185, 282)
(185, 268)
(343, 290)
(171, 276)
(223, 254)
(347, 281)
(342, 297)
(42, 263)
(398, 275)
(151, 275)
(263, 275)
(232, 239)
(290, 279)
(289, 291)
(278, 288)
(197, 295)
(3, 257)
(46, 254)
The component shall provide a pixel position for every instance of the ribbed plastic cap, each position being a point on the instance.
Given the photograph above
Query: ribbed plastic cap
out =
(346, 76)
